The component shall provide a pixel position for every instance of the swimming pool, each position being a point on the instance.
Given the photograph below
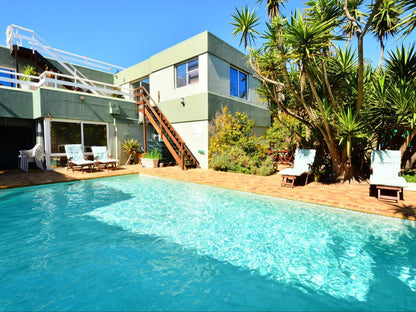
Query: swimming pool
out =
(144, 243)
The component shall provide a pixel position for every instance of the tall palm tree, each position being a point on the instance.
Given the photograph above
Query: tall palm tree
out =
(273, 7)
(351, 28)
(384, 22)
(245, 22)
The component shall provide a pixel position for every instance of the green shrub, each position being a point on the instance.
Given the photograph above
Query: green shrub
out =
(220, 163)
(234, 149)
(152, 155)
(266, 167)
(410, 176)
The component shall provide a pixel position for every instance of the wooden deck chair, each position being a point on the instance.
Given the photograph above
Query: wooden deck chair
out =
(385, 171)
(101, 156)
(302, 164)
(76, 158)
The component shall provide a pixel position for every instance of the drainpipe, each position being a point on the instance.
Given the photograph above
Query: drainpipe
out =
(115, 132)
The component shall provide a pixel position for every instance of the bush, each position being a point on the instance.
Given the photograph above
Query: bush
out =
(232, 148)
(152, 155)
(410, 176)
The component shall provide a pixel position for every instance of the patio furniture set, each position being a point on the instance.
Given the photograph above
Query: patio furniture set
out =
(385, 171)
(75, 155)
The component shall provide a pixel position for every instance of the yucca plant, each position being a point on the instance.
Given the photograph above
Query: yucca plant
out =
(130, 145)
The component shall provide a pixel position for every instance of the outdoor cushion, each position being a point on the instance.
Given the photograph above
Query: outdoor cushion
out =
(304, 159)
(75, 154)
(100, 154)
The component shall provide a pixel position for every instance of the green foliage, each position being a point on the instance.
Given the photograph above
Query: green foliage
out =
(237, 160)
(233, 148)
(152, 155)
(30, 71)
(336, 94)
(244, 23)
(284, 133)
(130, 145)
(410, 176)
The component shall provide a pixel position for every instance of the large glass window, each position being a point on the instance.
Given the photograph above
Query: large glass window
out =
(94, 135)
(238, 83)
(187, 73)
(63, 133)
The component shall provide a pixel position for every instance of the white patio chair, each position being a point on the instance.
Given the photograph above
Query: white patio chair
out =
(303, 162)
(102, 157)
(76, 158)
(33, 155)
(385, 171)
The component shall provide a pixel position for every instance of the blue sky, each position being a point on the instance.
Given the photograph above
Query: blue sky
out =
(126, 32)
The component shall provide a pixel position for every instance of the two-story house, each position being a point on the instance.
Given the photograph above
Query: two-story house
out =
(72, 99)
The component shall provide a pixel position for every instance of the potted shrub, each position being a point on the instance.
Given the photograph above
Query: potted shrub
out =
(130, 147)
(28, 70)
(151, 159)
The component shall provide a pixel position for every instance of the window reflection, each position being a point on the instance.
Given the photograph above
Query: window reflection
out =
(238, 83)
(64, 133)
(187, 73)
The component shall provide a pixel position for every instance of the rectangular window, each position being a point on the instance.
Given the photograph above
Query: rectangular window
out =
(94, 135)
(238, 83)
(187, 73)
(87, 134)
(64, 133)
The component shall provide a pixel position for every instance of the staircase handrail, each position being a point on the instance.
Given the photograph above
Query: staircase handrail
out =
(159, 115)
(81, 60)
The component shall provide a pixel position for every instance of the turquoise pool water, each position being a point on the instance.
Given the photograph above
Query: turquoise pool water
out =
(144, 243)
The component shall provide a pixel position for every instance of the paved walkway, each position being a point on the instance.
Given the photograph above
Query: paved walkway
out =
(353, 196)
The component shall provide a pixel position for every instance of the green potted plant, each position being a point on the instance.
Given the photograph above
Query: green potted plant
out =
(151, 159)
(130, 147)
(30, 71)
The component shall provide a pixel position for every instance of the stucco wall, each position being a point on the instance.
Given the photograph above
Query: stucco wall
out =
(70, 105)
(15, 103)
(219, 79)
(164, 81)
(195, 134)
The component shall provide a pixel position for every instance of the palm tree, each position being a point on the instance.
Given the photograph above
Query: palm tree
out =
(352, 26)
(391, 112)
(384, 22)
(245, 22)
(273, 7)
(409, 22)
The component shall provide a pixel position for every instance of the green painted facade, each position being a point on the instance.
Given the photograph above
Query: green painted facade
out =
(192, 116)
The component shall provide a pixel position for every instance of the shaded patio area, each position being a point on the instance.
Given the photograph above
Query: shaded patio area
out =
(354, 196)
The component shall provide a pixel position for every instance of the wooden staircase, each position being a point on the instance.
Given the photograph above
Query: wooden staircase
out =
(167, 133)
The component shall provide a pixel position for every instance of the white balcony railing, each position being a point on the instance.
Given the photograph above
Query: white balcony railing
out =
(61, 81)
(23, 37)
